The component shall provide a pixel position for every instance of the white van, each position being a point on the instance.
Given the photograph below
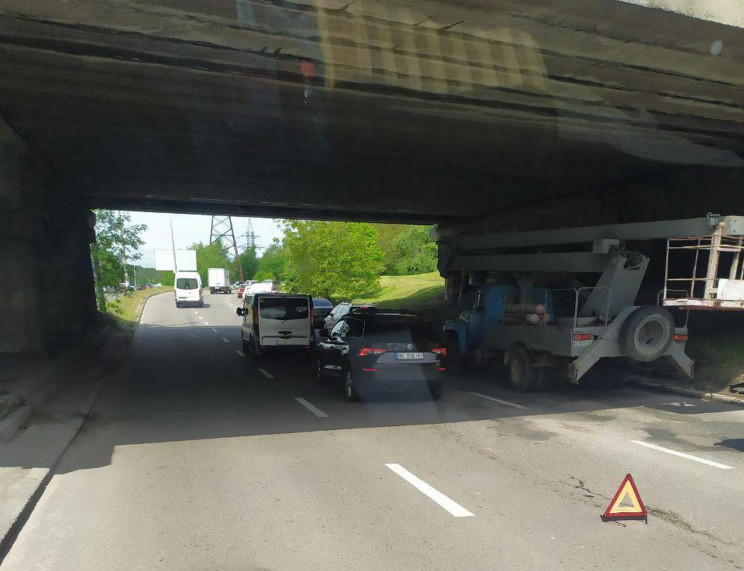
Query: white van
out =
(188, 289)
(276, 320)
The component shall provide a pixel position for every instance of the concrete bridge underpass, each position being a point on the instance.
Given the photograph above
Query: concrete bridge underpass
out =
(476, 115)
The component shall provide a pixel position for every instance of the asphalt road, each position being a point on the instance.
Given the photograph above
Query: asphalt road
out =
(197, 457)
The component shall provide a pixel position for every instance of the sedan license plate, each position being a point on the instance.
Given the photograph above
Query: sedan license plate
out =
(409, 356)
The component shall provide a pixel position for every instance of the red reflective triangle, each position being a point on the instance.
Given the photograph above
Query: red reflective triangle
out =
(619, 509)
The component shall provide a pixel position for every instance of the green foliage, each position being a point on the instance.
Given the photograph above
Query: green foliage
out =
(415, 252)
(386, 233)
(209, 256)
(249, 262)
(274, 264)
(150, 275)
(116, 243)
(337, 260)
(169, 279)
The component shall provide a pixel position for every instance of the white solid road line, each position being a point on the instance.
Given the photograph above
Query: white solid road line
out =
(225, 340)
(682, 455)
(266, 374)
(239, 352)
(450, 505)
(504, 402)
(311, 407)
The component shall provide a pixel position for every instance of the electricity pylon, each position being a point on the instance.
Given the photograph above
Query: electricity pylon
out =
(222, 232)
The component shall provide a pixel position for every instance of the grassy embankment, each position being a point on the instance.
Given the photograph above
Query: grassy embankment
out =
(126, 310)
(716, 340)
(421, 293)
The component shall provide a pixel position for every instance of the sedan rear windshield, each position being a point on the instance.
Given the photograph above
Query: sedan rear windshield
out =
(283, 308)
(187, 283)
(381, 326)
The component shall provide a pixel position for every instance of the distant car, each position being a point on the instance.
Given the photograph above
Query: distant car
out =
(382, 350)
(149, 285)
(342, 309)
(322, 308)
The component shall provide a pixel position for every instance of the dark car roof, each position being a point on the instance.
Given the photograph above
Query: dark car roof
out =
(321, 301)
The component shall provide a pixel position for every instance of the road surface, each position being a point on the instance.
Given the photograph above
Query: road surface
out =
(197, 457)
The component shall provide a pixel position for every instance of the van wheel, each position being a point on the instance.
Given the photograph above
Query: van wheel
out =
(246, 346)
(319, 376)
(255, 349)
(178, 304)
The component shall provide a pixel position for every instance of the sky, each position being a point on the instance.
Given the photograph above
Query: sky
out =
(191, 228)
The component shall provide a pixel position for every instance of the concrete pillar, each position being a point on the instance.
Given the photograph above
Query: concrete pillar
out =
(46, 286)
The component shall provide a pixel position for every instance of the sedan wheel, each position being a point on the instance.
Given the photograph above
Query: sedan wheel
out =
(350, 391)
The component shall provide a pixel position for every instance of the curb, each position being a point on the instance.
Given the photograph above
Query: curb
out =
(9, 424)
(35, 394)
(687, 392)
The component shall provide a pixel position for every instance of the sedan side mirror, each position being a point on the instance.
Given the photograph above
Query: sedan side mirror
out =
(239, 311)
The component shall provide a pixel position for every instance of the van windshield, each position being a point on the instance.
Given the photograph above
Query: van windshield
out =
(283, 308)
(186, 283)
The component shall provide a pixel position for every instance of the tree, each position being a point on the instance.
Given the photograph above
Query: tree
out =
(415, 252)
(274, 264)
(116, 245)
(209, 256)
(386, 233)
(337, 260)
(249, 263)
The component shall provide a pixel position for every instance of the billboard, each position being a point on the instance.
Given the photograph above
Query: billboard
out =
(186, 260)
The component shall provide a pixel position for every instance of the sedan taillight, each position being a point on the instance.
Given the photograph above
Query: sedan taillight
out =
(440, 351)
(368, 351)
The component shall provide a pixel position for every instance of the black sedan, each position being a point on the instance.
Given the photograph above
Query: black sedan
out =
(381, 351)
(321, 308)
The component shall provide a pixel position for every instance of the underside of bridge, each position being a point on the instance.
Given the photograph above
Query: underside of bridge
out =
(474, 114)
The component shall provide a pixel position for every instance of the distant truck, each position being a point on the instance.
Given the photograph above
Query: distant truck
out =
(218, 280)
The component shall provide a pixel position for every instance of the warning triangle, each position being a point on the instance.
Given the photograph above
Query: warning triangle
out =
(627, 503)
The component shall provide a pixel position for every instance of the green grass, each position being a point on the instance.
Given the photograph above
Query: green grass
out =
(127, 309)
(421, 293)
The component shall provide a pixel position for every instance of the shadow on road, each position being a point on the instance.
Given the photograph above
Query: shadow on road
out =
(191, 382)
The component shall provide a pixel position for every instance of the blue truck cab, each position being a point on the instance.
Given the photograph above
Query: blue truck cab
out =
(469, 332)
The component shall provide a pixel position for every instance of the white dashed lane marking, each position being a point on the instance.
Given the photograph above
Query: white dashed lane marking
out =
(311, 407)
(450, 505)
(266, 374)
(504, 402)
(683, 455)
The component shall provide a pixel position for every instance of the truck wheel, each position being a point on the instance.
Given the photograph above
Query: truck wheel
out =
(521, 374)
(647, 333)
